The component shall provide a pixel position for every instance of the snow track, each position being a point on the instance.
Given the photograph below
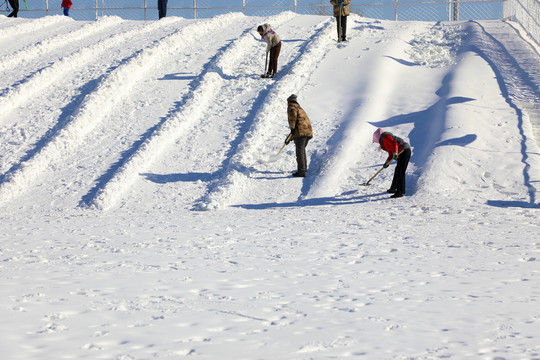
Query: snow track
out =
(110, 91)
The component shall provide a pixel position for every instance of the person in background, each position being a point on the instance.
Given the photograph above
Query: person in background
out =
(341, 11)
(301, 133)
(273, 45)
(66, 5)
(399, 150)
(15, 6)
(162, 8)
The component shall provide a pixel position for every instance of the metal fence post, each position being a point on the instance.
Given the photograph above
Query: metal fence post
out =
(194, 9)
(295, 4)
(145, 6)
(244, 6)
(455, 10)
(395, 10)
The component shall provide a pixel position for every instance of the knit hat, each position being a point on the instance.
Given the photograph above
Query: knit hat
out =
(292, 98)
(377, 135)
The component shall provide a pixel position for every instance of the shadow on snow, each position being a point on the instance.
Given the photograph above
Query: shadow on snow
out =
(324, 201)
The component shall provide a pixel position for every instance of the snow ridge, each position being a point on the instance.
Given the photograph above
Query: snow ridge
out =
(111, 89)
(55, 42)
(33, 25)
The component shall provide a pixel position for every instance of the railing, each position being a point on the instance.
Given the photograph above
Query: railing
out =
(527, 13)
(429, 10)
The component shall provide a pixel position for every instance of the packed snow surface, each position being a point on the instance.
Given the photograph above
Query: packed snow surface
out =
(144, 212)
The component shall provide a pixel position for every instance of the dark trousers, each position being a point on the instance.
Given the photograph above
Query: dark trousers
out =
(301, 157)
(398, 182)
(343, 27)
(15, 6)
(162, 8)
(274, 54)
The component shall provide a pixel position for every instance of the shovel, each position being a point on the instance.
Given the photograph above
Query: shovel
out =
(377, 173)
(280, 150)
(265, 66)
(287, 141)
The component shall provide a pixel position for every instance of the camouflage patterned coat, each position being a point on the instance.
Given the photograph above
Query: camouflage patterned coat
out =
(344, 9)
(298, 121)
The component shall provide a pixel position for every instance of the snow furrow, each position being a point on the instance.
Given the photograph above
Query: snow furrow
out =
(50, 44)
(209, 86)
(25, 91)
(236, 172)
(109, 92)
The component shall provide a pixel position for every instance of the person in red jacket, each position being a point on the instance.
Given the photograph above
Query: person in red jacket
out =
(399, 150)
(66, 4)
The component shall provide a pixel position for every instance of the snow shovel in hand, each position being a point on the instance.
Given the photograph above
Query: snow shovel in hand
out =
(373, 177)
(377, 173)
(265, 65)
(287, 141)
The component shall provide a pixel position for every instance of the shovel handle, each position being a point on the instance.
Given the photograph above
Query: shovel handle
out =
(381, 169)
(279, 152)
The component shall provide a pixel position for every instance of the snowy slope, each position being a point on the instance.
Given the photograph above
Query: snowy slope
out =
(115, 134)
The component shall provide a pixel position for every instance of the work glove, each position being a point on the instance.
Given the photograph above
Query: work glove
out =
(386, 164)
(395, 156)
(288, 139)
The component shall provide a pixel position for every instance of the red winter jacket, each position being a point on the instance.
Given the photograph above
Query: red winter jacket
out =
(392, 144)
(67, 3)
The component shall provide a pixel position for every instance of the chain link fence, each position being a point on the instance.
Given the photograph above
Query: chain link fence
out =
(527, 13)
(427, 10)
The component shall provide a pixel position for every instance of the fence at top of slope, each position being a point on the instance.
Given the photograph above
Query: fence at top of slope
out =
(406, 10)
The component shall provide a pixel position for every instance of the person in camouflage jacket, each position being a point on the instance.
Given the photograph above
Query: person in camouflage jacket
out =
(301, 133)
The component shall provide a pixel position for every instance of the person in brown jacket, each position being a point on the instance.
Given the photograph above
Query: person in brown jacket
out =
(273, 45)
(301, 133)
(341, 11)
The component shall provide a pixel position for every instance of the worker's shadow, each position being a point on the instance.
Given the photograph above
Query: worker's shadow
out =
(178, 177)
(323, 201)
(178, 76)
